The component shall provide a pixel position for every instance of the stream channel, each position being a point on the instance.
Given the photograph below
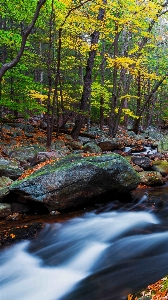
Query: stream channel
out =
(105, 253)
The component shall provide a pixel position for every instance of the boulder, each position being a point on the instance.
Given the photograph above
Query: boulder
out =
(10, 169)
(151, 178)
(44, 156)
(74, 145)
(109, 145)
(163, 144)
(4, 186)
(23, 153)
(74, 179)
(91, 147)
(142, 161)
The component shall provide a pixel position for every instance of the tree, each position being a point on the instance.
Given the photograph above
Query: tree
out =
(88, 77)
(8, 65)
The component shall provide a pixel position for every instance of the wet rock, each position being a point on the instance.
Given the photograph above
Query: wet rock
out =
(4, 186)
(9, 168)
(74, 180)
(5, 210)
(142, 161)
(151, 178)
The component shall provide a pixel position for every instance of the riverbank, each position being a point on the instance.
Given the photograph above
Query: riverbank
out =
(24, 154)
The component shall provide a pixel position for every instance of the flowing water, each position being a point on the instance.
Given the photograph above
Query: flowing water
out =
(104, 254)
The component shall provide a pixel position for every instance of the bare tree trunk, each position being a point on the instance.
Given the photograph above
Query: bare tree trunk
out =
(147, 100)
(102, 69)
(113, 103)
(88, 78)
(49, 80)
(138, 106)
(55, 105)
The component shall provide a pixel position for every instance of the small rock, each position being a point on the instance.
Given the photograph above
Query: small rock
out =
(54, 213)
(108, 145)
(14, 217)
(137, 168)
(142, 161)
(151, 178)
(10, 169)
(75, 145)
(92, 148)
(5, 210)
(5, 182)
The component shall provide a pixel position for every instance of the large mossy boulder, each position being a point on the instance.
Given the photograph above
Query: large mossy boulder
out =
(74, 179)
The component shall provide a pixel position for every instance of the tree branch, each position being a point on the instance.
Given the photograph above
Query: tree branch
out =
(25, 35)
(152, 93)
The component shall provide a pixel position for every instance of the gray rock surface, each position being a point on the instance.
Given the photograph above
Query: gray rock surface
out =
(108, 145)
(74, 179)
(5, 182)
(9, 168)
(142, 161)
(91, 147)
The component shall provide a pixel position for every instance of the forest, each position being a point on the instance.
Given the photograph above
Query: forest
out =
(95, 203)
(84, 61)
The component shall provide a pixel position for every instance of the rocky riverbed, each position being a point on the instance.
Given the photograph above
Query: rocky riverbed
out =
(37, 180)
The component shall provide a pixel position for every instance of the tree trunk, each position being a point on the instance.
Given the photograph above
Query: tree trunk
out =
(113, 104)
(49, 73)
(88, 79)
(136, 123)
(148, 99)
(102, 69)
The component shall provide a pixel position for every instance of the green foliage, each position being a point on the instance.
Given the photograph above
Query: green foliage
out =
(16, 95)
(25, 88)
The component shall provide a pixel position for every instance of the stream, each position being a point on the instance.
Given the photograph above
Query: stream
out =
(103, 254)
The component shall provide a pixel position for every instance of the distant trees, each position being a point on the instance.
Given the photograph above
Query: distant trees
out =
(100, 61)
